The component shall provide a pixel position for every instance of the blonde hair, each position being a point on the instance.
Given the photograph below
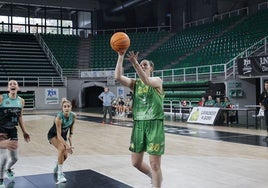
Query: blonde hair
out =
(65, 100)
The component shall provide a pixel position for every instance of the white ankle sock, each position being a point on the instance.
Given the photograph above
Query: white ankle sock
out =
(59, 168)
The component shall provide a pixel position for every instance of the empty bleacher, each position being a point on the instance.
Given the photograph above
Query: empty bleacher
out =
(231, 43)
(23, 59)
(21, 55)
(189, 91)
(105, 57)
(64, 48)
(214, 43)
(187, 41)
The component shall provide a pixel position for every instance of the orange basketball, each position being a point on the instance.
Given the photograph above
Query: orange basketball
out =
(120, 42)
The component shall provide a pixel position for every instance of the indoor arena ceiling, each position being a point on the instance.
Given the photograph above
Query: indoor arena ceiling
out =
(110, 6)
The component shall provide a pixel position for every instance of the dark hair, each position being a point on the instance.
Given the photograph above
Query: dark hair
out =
(150, 62)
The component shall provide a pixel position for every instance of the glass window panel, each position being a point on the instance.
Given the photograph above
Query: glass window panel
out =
(67, 31)
(25, 18)
(37, 17)
(35, 28)
(84, 19)
(19, 20)
(19, 28)
(67, 23)
(4, 27)
(4, 19)
(34, 21)
(52, 22)
(52, 30)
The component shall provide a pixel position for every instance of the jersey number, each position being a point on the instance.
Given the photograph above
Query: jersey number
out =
(154, 147)
(14, 119)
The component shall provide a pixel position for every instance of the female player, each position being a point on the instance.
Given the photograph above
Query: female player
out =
(57, 136)
(11, 106)
(148, 114)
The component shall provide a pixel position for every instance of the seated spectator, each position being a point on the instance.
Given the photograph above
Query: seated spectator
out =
(210, 102)
(202, 101)
(184, 103)
(120, 107)
(128, 105)
(185, 109)
(114, 102)
(218, 102)
(227, 104)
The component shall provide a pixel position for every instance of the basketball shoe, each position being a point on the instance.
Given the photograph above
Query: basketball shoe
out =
(10, 175)
(61, 178)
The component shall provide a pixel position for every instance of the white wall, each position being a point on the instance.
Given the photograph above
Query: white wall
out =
(40, 96)
(249, 89)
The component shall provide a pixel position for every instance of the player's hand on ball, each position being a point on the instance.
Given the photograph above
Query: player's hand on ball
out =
(122, 52)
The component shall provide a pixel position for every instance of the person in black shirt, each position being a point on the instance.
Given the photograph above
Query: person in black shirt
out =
(264, 104)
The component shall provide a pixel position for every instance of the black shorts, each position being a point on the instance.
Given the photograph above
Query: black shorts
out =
(12, 133)
(53, 132)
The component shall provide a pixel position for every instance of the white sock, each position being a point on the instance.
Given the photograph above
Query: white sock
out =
(59, 169)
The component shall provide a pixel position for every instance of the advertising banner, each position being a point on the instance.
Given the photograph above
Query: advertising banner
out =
(52, 96)
(252, 65)
(203, 115)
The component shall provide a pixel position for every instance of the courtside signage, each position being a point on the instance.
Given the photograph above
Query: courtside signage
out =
(203, 115)
(52, 96)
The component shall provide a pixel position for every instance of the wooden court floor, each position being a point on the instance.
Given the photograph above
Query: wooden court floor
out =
(224, 158)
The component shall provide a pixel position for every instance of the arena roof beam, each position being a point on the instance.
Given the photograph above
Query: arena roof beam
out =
(128, 4)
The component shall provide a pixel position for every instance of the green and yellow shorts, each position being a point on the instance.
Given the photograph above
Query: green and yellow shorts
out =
(149, 136)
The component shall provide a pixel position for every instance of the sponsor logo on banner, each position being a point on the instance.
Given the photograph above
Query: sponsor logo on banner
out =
(52, 96)
(264, 64)
(247, 66)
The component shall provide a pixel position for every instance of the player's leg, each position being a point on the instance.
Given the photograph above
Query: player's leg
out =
(155, 163)
(137, 162)
(138, 146)
(3, 160)
(155, 148)
(12, 154)
(13, 158)
(62, 155)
